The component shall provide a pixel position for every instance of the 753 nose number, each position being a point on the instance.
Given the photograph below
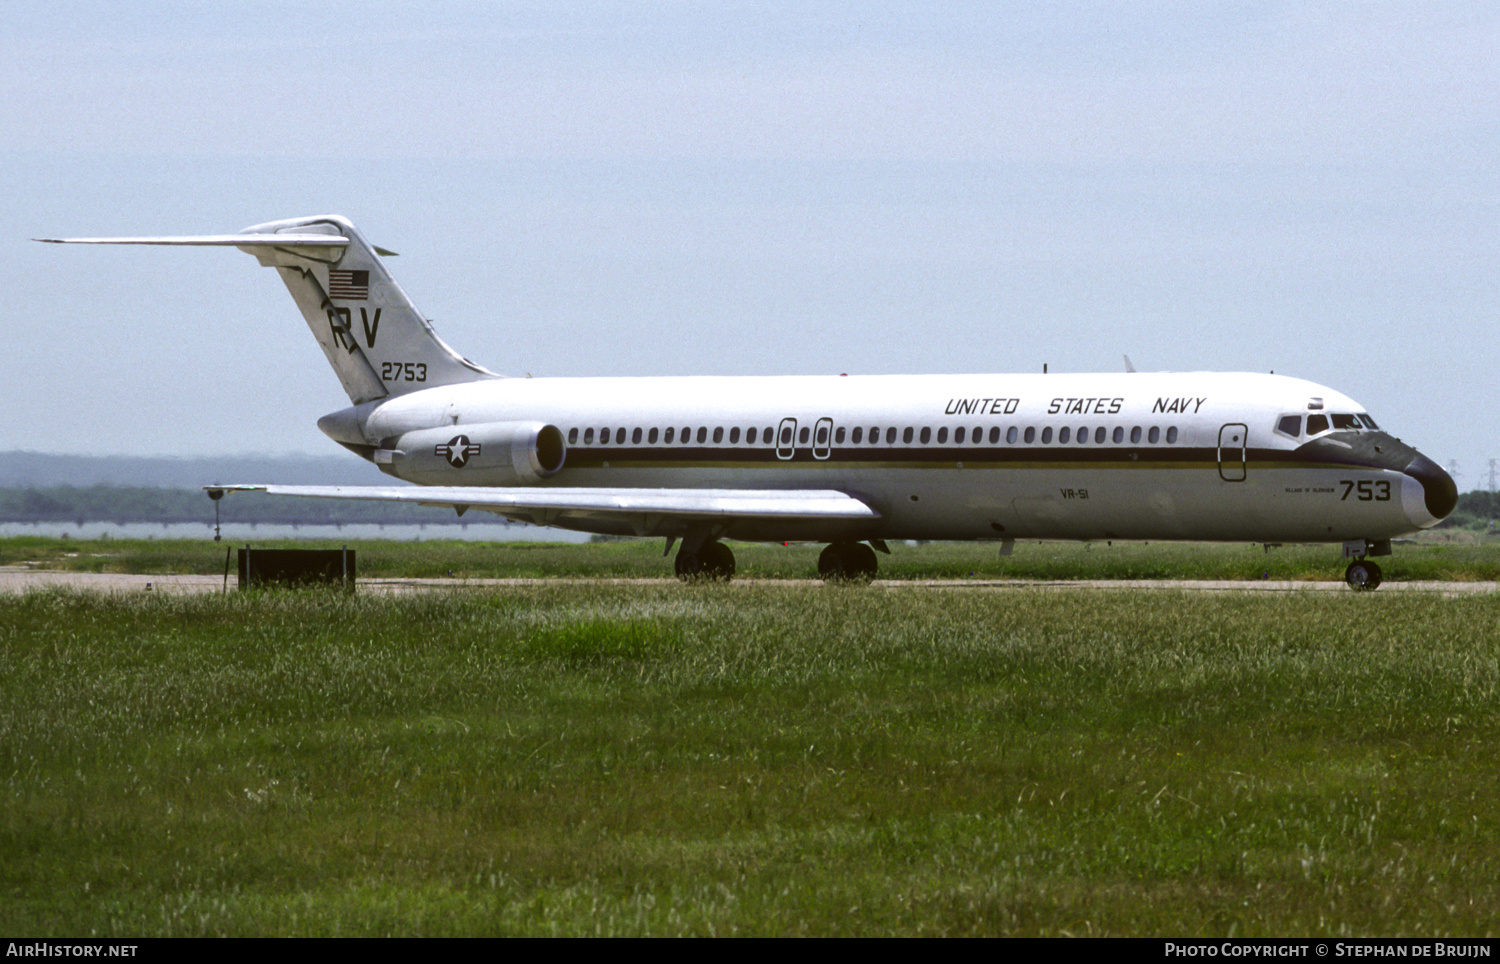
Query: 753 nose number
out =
(1369, 490)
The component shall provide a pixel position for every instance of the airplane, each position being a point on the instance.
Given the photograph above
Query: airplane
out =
(853, 461)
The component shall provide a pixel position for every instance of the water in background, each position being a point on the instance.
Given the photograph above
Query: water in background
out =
(241, 532)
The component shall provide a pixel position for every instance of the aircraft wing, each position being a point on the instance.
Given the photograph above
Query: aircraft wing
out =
(642, 509)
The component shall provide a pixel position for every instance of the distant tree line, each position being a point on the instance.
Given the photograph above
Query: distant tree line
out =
(134, 504)
(1475, 510)
(19, 470)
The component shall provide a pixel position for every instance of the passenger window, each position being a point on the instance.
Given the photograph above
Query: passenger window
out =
(926, 435)
(750, 437)
(702, 434)
(1119, 435)
(668, 437)
(859, 433)
(890, 436)
(942, 435)
(1317, 424)
(718, 434)
(822, 435)
(572, 436)
(978, 434)
(1154, 435)
(1047, 435)
(1135, 435)
(958, 436)
(588, 436)
(635, 437)
(804, 435)
(1062, 435)
(838, 436)
(1171, 434)
(620, 435)
(1030, 435)
(734, 435)
(1010, 434)
(906, 436)
(604, 436)
(651, 436)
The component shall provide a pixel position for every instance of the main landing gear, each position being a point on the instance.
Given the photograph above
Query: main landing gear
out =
(713, 561)
(842, 562)
(848, 562)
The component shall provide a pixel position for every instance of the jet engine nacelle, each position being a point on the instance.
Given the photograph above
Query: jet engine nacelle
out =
(487, 453)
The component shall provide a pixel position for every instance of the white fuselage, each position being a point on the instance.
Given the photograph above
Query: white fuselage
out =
(1094, 456)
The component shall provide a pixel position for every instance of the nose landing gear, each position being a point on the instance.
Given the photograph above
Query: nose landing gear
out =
(1362, 575)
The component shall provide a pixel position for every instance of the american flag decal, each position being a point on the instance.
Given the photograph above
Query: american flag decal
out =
(349, 285)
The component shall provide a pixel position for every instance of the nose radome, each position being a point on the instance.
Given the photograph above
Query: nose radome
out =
(1438, 488)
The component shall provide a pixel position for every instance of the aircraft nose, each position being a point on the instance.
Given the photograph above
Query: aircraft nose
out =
(1439, 491)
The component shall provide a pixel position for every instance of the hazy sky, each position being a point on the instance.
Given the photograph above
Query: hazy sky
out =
(680, 188)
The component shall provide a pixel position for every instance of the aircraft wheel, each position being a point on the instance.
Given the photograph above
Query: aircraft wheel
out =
(1362, 575)
(717, 560)
(847, 562)
(687, 565)
(713, 560)
(865, 563)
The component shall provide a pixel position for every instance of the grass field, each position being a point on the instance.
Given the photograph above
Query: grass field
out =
(1439, 556)
(772, 759)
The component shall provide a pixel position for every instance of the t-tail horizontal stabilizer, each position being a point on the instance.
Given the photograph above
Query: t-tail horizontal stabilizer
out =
(324, 247)
(377, 342)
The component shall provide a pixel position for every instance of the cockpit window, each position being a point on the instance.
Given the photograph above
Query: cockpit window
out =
(1292, 426)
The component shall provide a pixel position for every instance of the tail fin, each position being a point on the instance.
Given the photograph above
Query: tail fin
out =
(377, 342)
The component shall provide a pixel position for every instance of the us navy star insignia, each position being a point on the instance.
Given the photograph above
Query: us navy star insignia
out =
(458, 450)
